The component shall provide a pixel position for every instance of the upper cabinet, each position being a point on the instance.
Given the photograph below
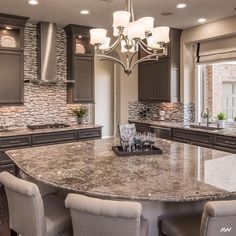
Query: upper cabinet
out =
(11, 58)
(160, 80)
(80, 64)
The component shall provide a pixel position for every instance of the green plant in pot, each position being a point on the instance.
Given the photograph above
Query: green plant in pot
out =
(221, 117)
(80, 113)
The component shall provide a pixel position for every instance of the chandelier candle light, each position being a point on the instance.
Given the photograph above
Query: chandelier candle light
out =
(131, 36)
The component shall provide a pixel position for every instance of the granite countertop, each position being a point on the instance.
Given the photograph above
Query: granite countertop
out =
(26, 131)
(228, 131)
(182, 173)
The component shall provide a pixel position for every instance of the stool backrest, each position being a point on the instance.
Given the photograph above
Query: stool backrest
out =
(25, 205)
(219, 218)
(95, 217)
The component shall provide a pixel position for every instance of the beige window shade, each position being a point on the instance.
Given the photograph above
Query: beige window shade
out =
(217, 50)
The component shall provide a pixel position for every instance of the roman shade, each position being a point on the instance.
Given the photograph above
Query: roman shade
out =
(223, 49)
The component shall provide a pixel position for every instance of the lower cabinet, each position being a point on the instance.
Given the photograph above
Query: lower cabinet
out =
(54, 137)
(13, 142)
(89, 133)
(225, 143)
(192, 137)
(6, 164)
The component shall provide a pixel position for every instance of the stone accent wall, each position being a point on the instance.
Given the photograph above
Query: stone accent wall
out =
(174, 111)
(42, 103)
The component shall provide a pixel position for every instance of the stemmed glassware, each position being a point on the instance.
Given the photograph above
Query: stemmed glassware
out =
(135, 142)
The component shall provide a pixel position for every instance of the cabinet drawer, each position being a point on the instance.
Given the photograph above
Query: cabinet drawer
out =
(205, 145)
(4, 159)
(54, 137)
(162, 132)
(229, 142)
(89, 133)
(11, 168)
(192, 136)
(225, 149)
(143, 128)
(15, 141)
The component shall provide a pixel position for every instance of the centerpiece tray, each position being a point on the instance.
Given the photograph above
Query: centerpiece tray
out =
(139, 152)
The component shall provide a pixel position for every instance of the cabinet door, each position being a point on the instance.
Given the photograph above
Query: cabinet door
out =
(162, 80)
(84, 79)
(145, 81)
(11, 77)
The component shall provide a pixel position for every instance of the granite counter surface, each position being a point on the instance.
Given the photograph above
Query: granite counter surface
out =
(228, 131)
(182, 173)
(26, 131)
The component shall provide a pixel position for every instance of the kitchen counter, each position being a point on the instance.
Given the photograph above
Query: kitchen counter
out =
(228, 131)
(183, 173)
(26, 131)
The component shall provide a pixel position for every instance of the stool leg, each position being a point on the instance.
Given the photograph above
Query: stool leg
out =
(13, 233)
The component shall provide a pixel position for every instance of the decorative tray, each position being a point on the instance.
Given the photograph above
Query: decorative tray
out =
(140, 152)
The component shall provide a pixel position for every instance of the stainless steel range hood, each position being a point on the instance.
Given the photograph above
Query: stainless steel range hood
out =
(47, 58)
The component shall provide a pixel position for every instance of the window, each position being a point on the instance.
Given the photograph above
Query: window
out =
(217, 88)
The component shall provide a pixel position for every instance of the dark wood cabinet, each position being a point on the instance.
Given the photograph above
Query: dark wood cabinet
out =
(54, 137)
(12, 58)
(192, 137)
(84, 79)
(90, 133)
(80, 65)
(160, 80)
(15, 141)
(11, 77)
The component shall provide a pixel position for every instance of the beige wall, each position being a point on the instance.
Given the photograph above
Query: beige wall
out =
(104, 96)
(213, 30)
(128, 86)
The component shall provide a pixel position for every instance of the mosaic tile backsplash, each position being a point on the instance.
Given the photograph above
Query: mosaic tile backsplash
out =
(42, 103)
(174, 111)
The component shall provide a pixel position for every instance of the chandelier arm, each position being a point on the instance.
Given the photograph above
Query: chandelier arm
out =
(132, 57)
(143, 45)
(110, 58)
(113, 46)
(147, 58)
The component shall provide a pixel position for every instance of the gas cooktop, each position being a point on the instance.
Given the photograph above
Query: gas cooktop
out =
(48, 126)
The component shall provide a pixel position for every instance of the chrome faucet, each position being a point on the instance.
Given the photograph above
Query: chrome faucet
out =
(207, 115)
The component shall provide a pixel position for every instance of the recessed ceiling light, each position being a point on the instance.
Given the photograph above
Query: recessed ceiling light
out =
(201, 20)
(181, 5)
(33, 2)
(84, 12)
(8, 28)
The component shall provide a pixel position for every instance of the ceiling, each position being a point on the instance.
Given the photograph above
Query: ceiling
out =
(64, 12)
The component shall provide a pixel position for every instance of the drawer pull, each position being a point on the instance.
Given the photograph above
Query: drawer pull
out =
(14, 142)
(230, 142)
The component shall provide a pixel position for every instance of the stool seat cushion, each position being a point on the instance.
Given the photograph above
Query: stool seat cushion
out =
(184, 225)
(57, 217)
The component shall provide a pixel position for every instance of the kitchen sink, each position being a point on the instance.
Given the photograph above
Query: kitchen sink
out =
(211, 127)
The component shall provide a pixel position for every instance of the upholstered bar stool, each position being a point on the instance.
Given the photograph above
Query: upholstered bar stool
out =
(32, 215)
(218, 218)
(96, 217)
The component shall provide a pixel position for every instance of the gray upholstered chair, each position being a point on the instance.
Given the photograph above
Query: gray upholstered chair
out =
(96, 217)
(32, 215)
(218, 218)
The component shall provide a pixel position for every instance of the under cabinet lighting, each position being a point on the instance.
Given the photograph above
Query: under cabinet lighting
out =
(201, 20)
(33, 2)
(8, 28)
(84, 12)
(181, 5)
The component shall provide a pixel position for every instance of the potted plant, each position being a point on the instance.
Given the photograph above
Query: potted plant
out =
(221, 117)
(80, 113)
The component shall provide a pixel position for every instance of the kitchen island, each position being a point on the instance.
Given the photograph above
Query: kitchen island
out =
(183, 174)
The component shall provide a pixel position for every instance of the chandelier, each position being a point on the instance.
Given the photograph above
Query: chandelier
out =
(132, 36)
